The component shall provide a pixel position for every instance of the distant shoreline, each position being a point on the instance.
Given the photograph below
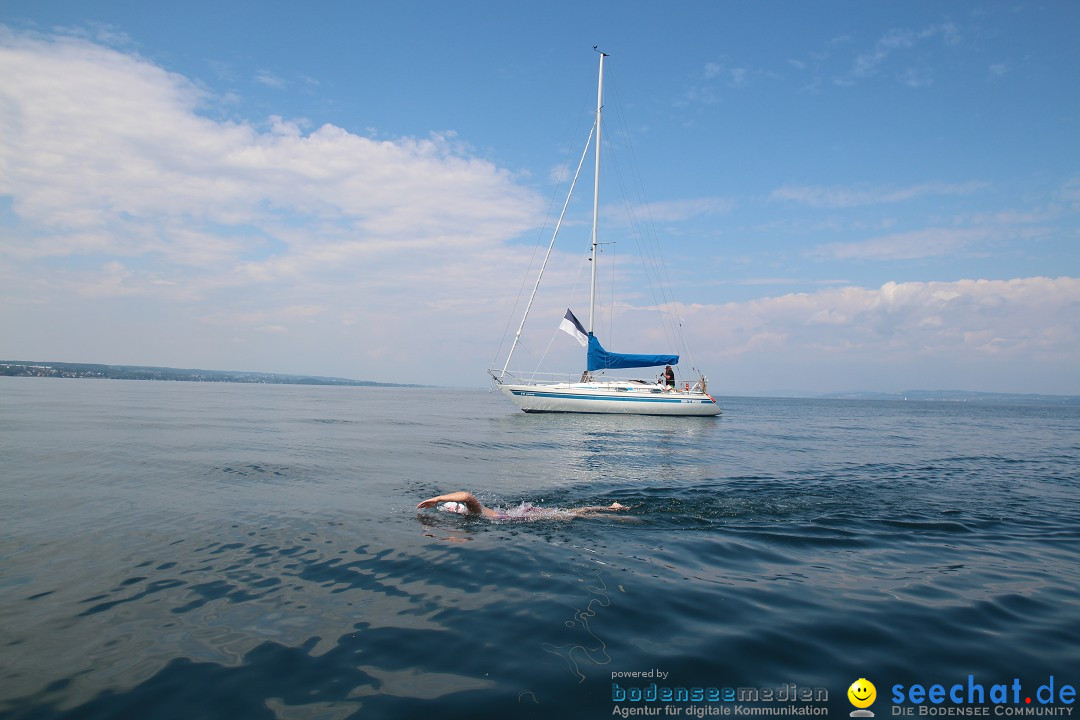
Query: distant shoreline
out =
(958, 396)
(16, 368)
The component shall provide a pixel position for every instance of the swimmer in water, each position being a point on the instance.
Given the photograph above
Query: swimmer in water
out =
(465, 503)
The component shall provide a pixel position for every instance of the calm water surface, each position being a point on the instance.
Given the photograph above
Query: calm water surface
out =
(182, 550)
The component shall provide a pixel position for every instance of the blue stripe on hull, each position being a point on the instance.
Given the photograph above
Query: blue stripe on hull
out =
(609, 398)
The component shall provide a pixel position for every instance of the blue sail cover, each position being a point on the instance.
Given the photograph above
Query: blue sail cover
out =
(601, 359)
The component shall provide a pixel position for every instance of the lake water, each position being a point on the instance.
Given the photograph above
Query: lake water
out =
(185, 550)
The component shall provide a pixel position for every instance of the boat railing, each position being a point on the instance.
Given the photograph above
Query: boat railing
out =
(530, 378)
(527, 377)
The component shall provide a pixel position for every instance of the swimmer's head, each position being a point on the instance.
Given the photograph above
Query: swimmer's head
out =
(455, 507)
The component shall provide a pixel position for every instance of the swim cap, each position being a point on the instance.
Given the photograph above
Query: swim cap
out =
(455, 507)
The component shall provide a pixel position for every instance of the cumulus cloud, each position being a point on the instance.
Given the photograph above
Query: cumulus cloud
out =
(105, 152)
(121, 187)
(1021, 326)
(1020, 316)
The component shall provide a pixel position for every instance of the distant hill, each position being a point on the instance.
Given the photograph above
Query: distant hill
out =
(959, 396)
(13, 368)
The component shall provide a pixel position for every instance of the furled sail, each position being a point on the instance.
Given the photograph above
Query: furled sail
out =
(601, 359)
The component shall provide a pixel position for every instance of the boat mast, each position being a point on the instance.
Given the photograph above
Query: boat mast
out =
(596, 193)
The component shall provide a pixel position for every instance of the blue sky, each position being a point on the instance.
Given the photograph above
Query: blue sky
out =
(849, 196)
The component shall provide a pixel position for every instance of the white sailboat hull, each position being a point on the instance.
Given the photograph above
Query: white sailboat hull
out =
(627, 398)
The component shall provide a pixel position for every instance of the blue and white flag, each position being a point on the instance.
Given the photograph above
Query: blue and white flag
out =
(572, 327)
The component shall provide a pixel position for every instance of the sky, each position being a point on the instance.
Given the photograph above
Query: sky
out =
(846, 196)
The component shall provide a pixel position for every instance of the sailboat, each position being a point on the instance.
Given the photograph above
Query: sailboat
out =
(596, 391)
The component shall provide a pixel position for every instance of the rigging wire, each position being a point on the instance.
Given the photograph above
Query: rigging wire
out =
(547, 256)
(643, 229)
(555, 333)
(557, 192)
(532, 260)
(611, 304)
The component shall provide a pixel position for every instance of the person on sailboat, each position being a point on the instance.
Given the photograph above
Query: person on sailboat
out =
(465, 503)
(669, 378)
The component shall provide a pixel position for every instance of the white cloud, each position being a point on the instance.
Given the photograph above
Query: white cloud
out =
(269, 79)
(932, 242)
(104, 152)
(894, 44)
(1027, 329)
(866, 64)
(967, 232)
(733, 77)
(678, 210)
(724, 74)
(916, 77)
(848, 197)
(98, 140)
(122, 191)
(1070, 193)
(1027, 326)
(977, 234)
(925, 317)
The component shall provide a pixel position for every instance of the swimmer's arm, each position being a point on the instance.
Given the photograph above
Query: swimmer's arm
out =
(589, 509)
(462, 496)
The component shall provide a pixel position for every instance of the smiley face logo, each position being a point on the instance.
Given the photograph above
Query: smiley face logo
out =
(862, 694)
